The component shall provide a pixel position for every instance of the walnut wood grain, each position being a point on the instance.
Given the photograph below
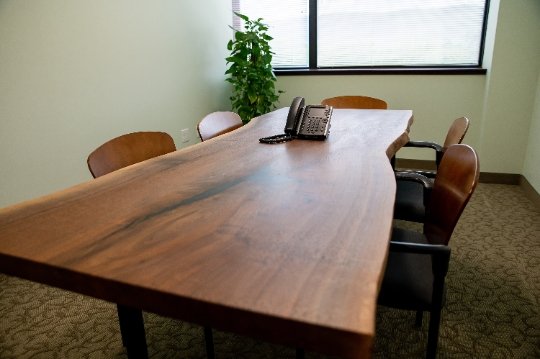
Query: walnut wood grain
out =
(281, 242)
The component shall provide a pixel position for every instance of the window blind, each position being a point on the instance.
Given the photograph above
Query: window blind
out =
(368, 33)
(405, 32)
(288, 25)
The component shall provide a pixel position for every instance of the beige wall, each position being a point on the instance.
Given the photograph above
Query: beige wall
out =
(436, 100)
(531, 169)
(500, 104)
(511, 87)
(74, 74)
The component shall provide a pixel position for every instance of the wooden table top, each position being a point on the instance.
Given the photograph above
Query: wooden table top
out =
(283, 242)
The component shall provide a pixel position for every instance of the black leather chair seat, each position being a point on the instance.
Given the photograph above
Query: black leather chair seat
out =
(408, 276)
(409, 201)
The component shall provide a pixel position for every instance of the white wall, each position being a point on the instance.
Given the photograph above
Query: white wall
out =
(75, 73)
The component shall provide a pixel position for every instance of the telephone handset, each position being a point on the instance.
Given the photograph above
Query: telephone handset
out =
(294, 114)
(310, 122)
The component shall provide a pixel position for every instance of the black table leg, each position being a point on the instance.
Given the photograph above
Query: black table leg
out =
(132, 331)
(209, 341)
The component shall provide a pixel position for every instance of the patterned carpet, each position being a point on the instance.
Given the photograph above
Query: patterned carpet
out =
(492, 308)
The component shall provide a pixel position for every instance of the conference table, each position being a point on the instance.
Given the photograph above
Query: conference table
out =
(282, 242)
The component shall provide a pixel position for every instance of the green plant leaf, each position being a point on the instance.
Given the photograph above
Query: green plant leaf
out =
(243, 17)
(250, 70)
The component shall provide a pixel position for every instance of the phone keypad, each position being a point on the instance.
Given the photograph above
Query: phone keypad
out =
(313, 125)
(316, 123)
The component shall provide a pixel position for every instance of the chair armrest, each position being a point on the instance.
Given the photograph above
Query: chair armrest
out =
(413, 176)
(424, 144)
(426, 182)
(439, 150)
(426, 173)
(420, 248)
(429, 174)
(439, 252)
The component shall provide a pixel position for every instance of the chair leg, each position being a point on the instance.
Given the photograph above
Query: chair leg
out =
(132, 331)
(433, 333)
(209, 342)
(419, 317)
(300, 353)
(440, 269)
(123, 326)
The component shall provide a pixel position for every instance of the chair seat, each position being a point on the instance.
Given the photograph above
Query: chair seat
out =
(409, 201)
(408, 279)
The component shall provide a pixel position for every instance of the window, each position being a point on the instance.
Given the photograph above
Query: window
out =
(344, 34)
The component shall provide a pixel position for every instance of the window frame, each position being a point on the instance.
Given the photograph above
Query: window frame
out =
(313, 69)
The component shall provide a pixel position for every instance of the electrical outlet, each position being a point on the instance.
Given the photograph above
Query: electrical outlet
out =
(184, 135)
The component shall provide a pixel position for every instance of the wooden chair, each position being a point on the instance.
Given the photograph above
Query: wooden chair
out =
(118, 153)
(359, 102)
(218, 123)
(418, 262)
(455, 134)
(128, 149)
(411, 192)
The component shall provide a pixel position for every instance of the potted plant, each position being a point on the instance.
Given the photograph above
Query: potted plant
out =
(250, 71)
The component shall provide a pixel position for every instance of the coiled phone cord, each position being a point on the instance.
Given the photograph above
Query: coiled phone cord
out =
(272, 140)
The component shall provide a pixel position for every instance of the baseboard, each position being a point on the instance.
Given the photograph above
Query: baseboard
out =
(416, 164)
(485, 177)
(500, 178)
(530, 192)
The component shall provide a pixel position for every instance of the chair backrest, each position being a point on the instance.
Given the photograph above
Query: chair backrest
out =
(457, 131)
(456, 180)
(360, 102)
(218, 123)
(128, 149)
(455, 135)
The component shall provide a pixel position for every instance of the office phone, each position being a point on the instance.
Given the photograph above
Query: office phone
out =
(310, 122)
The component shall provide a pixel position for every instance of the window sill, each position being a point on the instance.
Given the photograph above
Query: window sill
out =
(384, 71)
